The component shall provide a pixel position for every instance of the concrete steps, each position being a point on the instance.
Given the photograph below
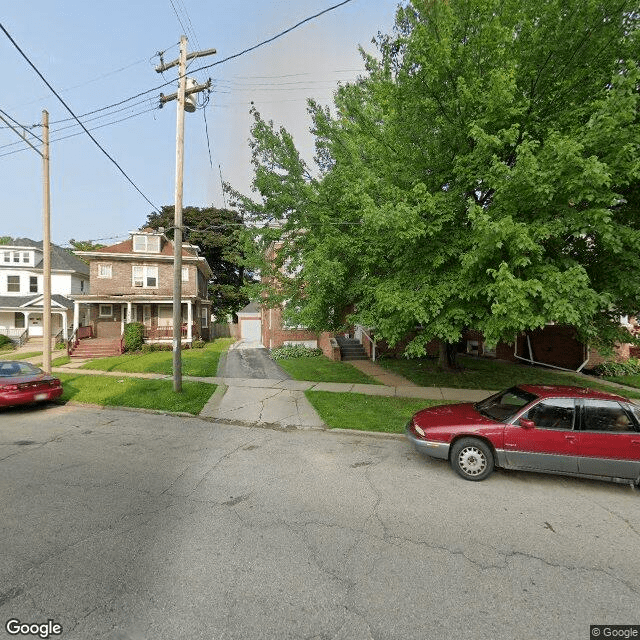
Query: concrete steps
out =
(96, 348)
(351, 349)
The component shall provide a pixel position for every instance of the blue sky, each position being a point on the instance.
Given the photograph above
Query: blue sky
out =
(97, 54)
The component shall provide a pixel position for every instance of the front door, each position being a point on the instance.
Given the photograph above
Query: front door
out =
(550, 445)
(35, 326)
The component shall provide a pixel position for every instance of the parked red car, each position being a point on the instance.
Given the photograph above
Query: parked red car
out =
(24, 383)
(553, 429)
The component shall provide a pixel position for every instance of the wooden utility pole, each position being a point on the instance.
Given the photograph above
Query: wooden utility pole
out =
(177, 231)
(46, 248)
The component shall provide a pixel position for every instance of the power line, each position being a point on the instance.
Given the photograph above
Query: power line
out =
(231, 57)
(104, 151)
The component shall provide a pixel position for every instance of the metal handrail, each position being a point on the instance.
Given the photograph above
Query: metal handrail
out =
(72, 342)
(371, 340)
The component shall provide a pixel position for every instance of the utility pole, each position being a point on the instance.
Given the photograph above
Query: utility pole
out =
(46, 247)
(180, 96)
(46, 238)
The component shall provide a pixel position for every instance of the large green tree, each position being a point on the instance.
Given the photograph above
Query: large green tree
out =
(218, 234)
(483, 173)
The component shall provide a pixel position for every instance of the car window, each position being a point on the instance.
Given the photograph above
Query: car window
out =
(552, 413)
(606, 415)
(12, 369)
(505, 405)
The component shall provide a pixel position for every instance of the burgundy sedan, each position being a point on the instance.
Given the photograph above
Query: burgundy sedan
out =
(24, 383)
(552, 429)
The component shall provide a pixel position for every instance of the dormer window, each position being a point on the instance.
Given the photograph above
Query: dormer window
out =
(146, 244)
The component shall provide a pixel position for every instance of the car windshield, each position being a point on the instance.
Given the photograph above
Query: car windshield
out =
(13, 369)
(504, 405)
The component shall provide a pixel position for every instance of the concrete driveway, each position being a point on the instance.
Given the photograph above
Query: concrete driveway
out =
(128, 526)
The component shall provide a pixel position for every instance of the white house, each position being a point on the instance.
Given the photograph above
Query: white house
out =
(21, 288)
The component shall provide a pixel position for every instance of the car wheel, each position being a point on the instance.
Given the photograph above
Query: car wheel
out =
(472, 459)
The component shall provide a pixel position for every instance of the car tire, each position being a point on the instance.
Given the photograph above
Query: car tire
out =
(472, 459)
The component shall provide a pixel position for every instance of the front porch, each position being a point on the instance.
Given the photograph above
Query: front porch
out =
(107, 317)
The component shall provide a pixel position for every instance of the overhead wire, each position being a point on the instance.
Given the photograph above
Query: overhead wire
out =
(57, 95)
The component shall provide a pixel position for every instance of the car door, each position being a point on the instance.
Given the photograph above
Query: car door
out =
(551, 444)
(608, 440)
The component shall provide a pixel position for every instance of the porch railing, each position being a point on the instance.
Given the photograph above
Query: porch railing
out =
(166, 333)
(16, 335)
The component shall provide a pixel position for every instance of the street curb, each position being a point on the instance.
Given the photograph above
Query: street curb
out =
(158, 412)
(214, 401)
(377, 434)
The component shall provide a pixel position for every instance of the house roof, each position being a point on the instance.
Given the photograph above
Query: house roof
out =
(252, 307)
(19, 303)
(61, 259)
(127, 247)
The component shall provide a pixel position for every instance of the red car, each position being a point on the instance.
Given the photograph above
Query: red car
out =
(24, 383)
(553, 429)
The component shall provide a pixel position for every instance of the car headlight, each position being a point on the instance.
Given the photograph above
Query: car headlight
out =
(419, 430)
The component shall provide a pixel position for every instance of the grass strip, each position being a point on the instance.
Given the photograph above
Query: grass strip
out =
(484, 373)
(20, 356)
(366, 413)
(195, 362)
(136, 392)
(321, 369)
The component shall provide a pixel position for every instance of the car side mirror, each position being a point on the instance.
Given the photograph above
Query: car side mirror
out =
(527, 424)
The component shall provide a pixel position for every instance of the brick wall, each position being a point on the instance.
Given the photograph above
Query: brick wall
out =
(121, 281)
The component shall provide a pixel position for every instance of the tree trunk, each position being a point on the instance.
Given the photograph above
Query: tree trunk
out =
(447, 358)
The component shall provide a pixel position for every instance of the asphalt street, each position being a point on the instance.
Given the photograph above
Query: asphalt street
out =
(121, 525)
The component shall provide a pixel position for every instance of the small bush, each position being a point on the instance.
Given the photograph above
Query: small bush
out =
(198, 344)
(629, 368)
(61, 345)
(289, 351)
(133, 336)
(4, 340)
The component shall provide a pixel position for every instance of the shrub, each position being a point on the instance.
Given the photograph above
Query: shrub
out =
(4, 340)
(198, 344)
(629, 368)
(133, 336)
(289, 351)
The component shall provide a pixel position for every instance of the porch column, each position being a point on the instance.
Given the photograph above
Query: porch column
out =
(76, 315)
(189, 321)
(129, 312)
(26, 315)
(65, 326)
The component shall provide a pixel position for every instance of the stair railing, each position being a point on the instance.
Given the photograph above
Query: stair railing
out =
(364, 332)
(72, 342)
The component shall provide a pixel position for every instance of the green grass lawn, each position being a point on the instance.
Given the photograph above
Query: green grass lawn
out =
(485, 373)
(19, 356)
(366, 413)
(195, 362)
(631, 381)
(321, 369)
(134, 392)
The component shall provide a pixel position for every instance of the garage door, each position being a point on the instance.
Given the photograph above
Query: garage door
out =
(251, 330)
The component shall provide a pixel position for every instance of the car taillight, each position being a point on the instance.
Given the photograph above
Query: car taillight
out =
(10, 387)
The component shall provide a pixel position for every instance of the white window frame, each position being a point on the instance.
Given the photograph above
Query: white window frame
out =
(26, 257)
(13, 283)
(31, 283)
(185, 274)
(204, 317)
(102, 310)
(146, 244)
(6, 256)
(105, 270)
(140, 275)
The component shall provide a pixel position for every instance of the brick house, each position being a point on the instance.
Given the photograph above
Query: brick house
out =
(22, 287)
(133, 282)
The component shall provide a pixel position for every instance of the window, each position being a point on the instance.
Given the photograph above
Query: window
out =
(13, 284)
(146, 244)
(25, 257)
(33, 284)
(16, 256)
(553, 413)
(503, 406)
(6, 256)
(81, 286)
(104, 270)
(185, 274)
(105, 310)
(145, 276)
(18, 320)
(605, 415)
(204, 314)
